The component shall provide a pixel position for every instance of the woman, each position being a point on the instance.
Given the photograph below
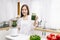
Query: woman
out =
(25, 24)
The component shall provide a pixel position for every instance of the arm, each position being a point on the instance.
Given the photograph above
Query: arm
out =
(18, 29)
(18, 25)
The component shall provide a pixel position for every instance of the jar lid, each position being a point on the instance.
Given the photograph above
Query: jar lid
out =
(33, 13)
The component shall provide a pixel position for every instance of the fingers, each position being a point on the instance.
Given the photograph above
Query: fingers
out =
(36, 18)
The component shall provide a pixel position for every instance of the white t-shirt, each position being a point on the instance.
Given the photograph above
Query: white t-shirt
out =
(26, 26)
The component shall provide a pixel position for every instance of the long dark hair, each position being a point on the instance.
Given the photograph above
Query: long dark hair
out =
(27, 10)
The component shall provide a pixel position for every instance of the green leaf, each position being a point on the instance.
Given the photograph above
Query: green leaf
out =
(35, 37)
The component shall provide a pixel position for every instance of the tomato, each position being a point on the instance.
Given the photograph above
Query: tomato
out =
(58, 37)
(53, 38)
(52, 34)
(49, 37)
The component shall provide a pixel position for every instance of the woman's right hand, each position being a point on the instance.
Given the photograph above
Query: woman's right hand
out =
(36, 22)
(36, 18)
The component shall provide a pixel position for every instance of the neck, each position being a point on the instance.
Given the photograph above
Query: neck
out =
(25, 17)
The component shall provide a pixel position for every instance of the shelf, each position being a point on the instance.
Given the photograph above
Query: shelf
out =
(46, 30)
(6, 28)
(37, 28)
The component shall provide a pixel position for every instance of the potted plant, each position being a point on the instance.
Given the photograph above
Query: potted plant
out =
(14, 23)
(35, 37)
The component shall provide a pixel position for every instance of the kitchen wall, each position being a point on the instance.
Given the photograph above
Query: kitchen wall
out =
(54, 15)
(8, 9)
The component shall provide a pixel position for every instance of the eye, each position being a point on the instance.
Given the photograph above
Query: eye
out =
(22, 9)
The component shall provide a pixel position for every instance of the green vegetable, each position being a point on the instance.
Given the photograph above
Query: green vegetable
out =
(14, 24)
(35, 37)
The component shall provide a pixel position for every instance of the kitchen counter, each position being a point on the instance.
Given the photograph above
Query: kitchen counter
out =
(47, 30)
(5, 28)
(21, 37)
(37, 28)
(26, 37)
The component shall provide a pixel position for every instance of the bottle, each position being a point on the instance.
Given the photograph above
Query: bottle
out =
(39, 23)
(44, 33)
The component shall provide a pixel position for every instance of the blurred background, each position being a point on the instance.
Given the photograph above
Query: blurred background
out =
(47, 10)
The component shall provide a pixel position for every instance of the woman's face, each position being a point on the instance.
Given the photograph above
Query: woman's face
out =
(24, 11)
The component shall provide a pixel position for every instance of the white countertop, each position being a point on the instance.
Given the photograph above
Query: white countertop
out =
(20, 37)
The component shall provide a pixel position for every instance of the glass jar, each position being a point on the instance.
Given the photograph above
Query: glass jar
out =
(33, 16)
